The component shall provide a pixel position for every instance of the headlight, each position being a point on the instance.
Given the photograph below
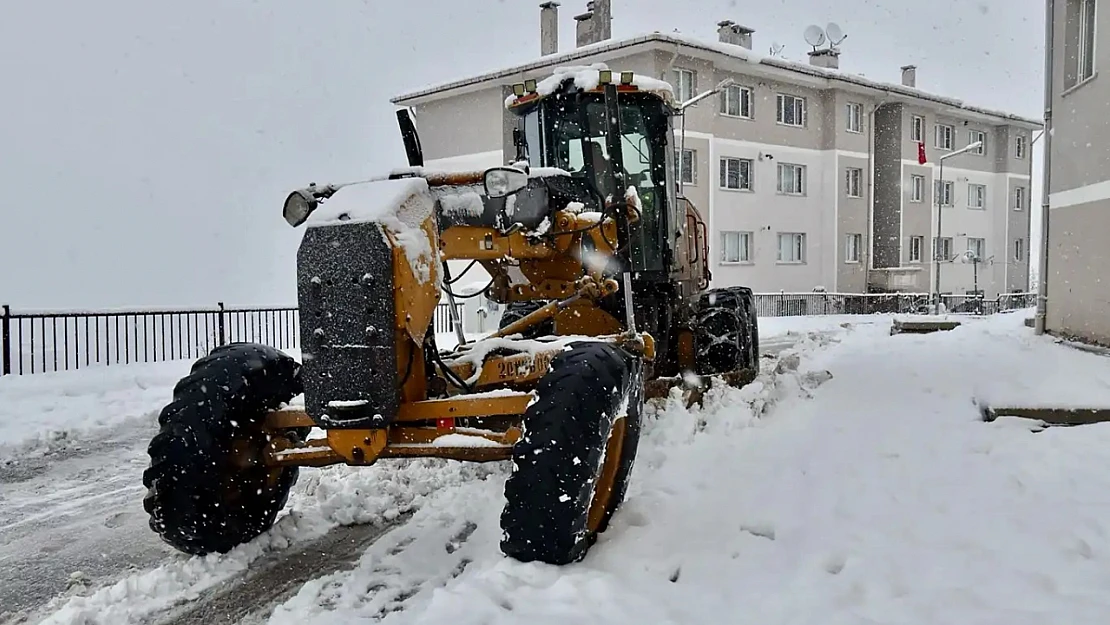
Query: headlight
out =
(298, 206)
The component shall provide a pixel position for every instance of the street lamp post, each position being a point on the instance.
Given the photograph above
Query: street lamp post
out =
(940, 212)
(1042, 264)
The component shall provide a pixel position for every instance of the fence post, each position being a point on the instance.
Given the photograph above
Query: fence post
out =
(6, 342)
(220, 323)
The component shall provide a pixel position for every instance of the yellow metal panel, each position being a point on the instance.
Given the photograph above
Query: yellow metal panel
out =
(358, 446)
(464, 406)
(583, 317)
(416, 298)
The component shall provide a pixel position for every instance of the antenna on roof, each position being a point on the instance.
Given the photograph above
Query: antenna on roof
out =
(835, 34)
(776, 48)
(814, 36)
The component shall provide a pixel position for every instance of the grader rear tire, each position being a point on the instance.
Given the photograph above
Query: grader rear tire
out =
(727, 333)
(204, 493)
(747, 299)
(571, 467)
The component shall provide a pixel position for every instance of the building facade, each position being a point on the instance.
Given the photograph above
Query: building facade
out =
(808, 177)
(1077, 165)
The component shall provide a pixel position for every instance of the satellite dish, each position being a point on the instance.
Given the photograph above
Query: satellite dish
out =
(776, 48)
(814, 36)
(835, 34)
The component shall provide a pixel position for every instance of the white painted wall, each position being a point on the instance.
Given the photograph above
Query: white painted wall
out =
(765, 213)
(961, 222)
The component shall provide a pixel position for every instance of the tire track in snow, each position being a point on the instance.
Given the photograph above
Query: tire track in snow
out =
(412, 561)
(73, 517)
(279, 576)
(307, 542)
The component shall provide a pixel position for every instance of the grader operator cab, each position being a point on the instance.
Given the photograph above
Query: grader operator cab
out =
(603, 269)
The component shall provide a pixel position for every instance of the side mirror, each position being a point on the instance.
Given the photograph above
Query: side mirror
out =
(504, 181)
(298, 206)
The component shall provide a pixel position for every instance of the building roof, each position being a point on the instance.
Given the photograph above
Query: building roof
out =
(730, 50)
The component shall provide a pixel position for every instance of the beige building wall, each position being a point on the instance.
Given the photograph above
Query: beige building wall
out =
(1079, 190)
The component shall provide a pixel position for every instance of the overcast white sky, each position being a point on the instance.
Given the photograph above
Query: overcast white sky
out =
(147, 147)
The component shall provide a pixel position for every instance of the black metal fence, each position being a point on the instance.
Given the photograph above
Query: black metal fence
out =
(798, 304)
(47, 341)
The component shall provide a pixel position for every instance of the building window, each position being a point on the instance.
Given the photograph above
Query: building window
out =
(852, 245)
(1019, 146)
(736, 101)
(917, 188)
(1019, 198)
(1079, 46)
(942, 136)
(917, 128)
(854, 182)
(977, 135)
(792, 110)
(855, 117)
(792, 179)
(942, 189)
(736, 173)
(684, 84)
(1019, 249)
(687, 170)
(736, 247)
(944, 252)
(792, 247)
(917, 245)
(978, 247)
(977, 196)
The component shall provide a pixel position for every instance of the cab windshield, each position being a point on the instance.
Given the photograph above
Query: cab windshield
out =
(575, 141)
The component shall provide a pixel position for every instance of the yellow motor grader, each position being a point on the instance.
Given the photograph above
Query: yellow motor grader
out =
(602, 268)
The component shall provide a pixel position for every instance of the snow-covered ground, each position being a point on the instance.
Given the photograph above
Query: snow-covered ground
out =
(853, 482)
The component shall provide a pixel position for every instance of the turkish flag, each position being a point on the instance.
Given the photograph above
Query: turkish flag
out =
(921, 153)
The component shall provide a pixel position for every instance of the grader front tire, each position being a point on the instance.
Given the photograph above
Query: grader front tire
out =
(571, 467)
(206, 491)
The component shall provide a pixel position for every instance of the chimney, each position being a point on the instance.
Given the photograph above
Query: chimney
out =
(596, 24)
(909, 76)
(549, 28)
(603, 18)
(828, 58)
(730, 32)
(584, 29)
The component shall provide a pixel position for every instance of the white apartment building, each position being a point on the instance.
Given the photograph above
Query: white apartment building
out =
(808, 176)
